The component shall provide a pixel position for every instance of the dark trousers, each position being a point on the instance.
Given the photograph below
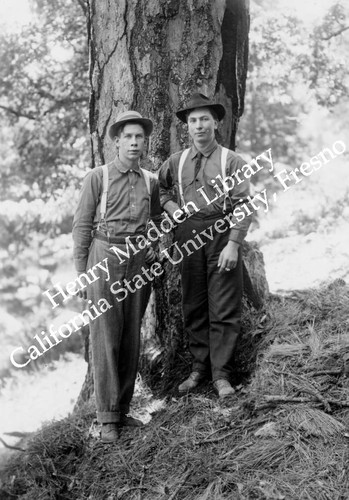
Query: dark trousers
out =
(211, 300)
(115, 335)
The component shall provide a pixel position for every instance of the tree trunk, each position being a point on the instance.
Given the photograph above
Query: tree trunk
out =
(151, 56)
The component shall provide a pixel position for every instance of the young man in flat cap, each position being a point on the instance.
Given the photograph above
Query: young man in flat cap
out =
(211, 270)
(102, 223)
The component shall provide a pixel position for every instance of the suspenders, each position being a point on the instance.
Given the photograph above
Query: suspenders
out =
(223, 170)
(105, 182)
(223, 166)
(180, 168)
(105, 178)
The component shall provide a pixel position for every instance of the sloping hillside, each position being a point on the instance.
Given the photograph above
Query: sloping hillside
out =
(283, 436)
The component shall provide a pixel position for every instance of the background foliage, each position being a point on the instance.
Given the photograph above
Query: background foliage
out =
(44, 153)
(297, 86)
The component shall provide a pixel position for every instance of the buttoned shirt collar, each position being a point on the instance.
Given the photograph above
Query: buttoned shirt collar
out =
(206, 152)
(123, 169)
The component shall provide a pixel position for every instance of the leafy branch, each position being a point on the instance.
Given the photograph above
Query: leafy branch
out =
(337, 33)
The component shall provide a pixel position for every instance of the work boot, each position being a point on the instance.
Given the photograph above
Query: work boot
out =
(192, 381)
(223, 388)
(109, 433)
(128, 421)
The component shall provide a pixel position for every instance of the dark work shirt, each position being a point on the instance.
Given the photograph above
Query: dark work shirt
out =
(129, 207)
(206, 179)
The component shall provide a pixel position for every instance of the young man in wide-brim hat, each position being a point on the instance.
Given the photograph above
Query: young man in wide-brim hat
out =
(209, 249)
(101, 225)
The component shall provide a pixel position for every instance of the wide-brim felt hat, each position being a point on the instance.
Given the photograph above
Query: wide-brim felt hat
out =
(200, 101)
(130, 116)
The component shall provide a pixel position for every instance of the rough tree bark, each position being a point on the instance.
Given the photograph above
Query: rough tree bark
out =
(150, 56)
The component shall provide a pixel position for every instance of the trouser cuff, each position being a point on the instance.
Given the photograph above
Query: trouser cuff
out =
(108, 417)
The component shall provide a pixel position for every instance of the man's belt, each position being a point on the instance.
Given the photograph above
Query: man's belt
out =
(115, 240)
(209, 217)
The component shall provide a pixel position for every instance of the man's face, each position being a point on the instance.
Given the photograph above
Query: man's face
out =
(131, 142)
(201, 126)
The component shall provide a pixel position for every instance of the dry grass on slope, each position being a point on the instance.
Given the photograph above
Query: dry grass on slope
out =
(284, 435)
